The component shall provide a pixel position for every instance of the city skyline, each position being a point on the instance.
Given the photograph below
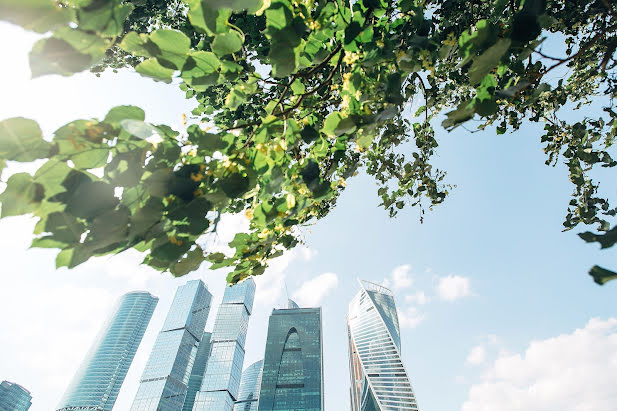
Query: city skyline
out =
(97, 382)
(164, 382)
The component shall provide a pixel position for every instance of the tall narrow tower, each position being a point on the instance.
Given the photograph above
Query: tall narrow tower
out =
(219, 388)
(164, 383)
(378, 377)
(293, 363)
(97, 383)
(197, 373)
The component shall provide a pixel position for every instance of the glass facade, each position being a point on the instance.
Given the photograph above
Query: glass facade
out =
(14, 397)
(221, 382)
(293, 363)
(249, 388)
(197, 373)
(378, 377)
(164, 383)
(96, 384)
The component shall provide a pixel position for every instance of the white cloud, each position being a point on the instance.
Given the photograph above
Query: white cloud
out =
(570, 372)
(418, 298)
(401, 276)
(410, 317)
(453, 287)
(312, 292)
(477, 355)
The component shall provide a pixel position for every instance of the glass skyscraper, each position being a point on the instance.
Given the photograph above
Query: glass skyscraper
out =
(378, 377)
(96, 384)
(293, 363)
(197, 373)
(14, 397)
(219, 388)
(164, 383)
(249, 388)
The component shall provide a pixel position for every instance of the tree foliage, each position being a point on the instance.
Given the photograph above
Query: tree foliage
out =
(293, 97)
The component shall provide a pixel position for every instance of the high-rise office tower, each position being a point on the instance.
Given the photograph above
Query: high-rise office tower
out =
(96, 384)
(14, 397)
(164, 382)
(197, 373)
(219, 388)
(249, 388)
(293, 363)
(378, 377)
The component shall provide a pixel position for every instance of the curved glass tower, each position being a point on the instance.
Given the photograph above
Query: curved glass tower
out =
(97, 383)
(248, 395)
(14, 397)
(378, 377)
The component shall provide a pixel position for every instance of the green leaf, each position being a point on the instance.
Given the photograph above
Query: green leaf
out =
(190, 262)
(173, 47)
(297, 87)
(234, 185)
(331, 123)
(55, 56)
(136, 44)
(138, 128)
(21, 139)
(226, 43)
(91, 198)
(21, 195)
(488, 60)
(106, 20)
(91, 158)
(152, 68)
(601, 275)
(605, 240)
(208, 20)
(119, 113)
(51, 175)
(36, 15)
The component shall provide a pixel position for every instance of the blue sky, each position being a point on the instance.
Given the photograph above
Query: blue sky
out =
(497, 309)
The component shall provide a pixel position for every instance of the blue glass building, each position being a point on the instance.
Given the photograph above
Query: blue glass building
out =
(14, 397)
(293, 363)
(378, 377)
(197, 373)
(221, 382)
(164, 383)
(96, 384)
(249, 388)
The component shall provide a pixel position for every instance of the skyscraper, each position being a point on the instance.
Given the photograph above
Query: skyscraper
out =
(197, 373)
(249, 388)
(378, 377)
(96, 384)
(293, 363)
(219, 388)
(165, 379)
(14, 397)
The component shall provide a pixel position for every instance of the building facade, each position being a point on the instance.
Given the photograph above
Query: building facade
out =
(293, 362)
(164, 383)
(250, 384)
(14, 397)
(221, 382)
(197, 373)
(378, 377)
(97, 383)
